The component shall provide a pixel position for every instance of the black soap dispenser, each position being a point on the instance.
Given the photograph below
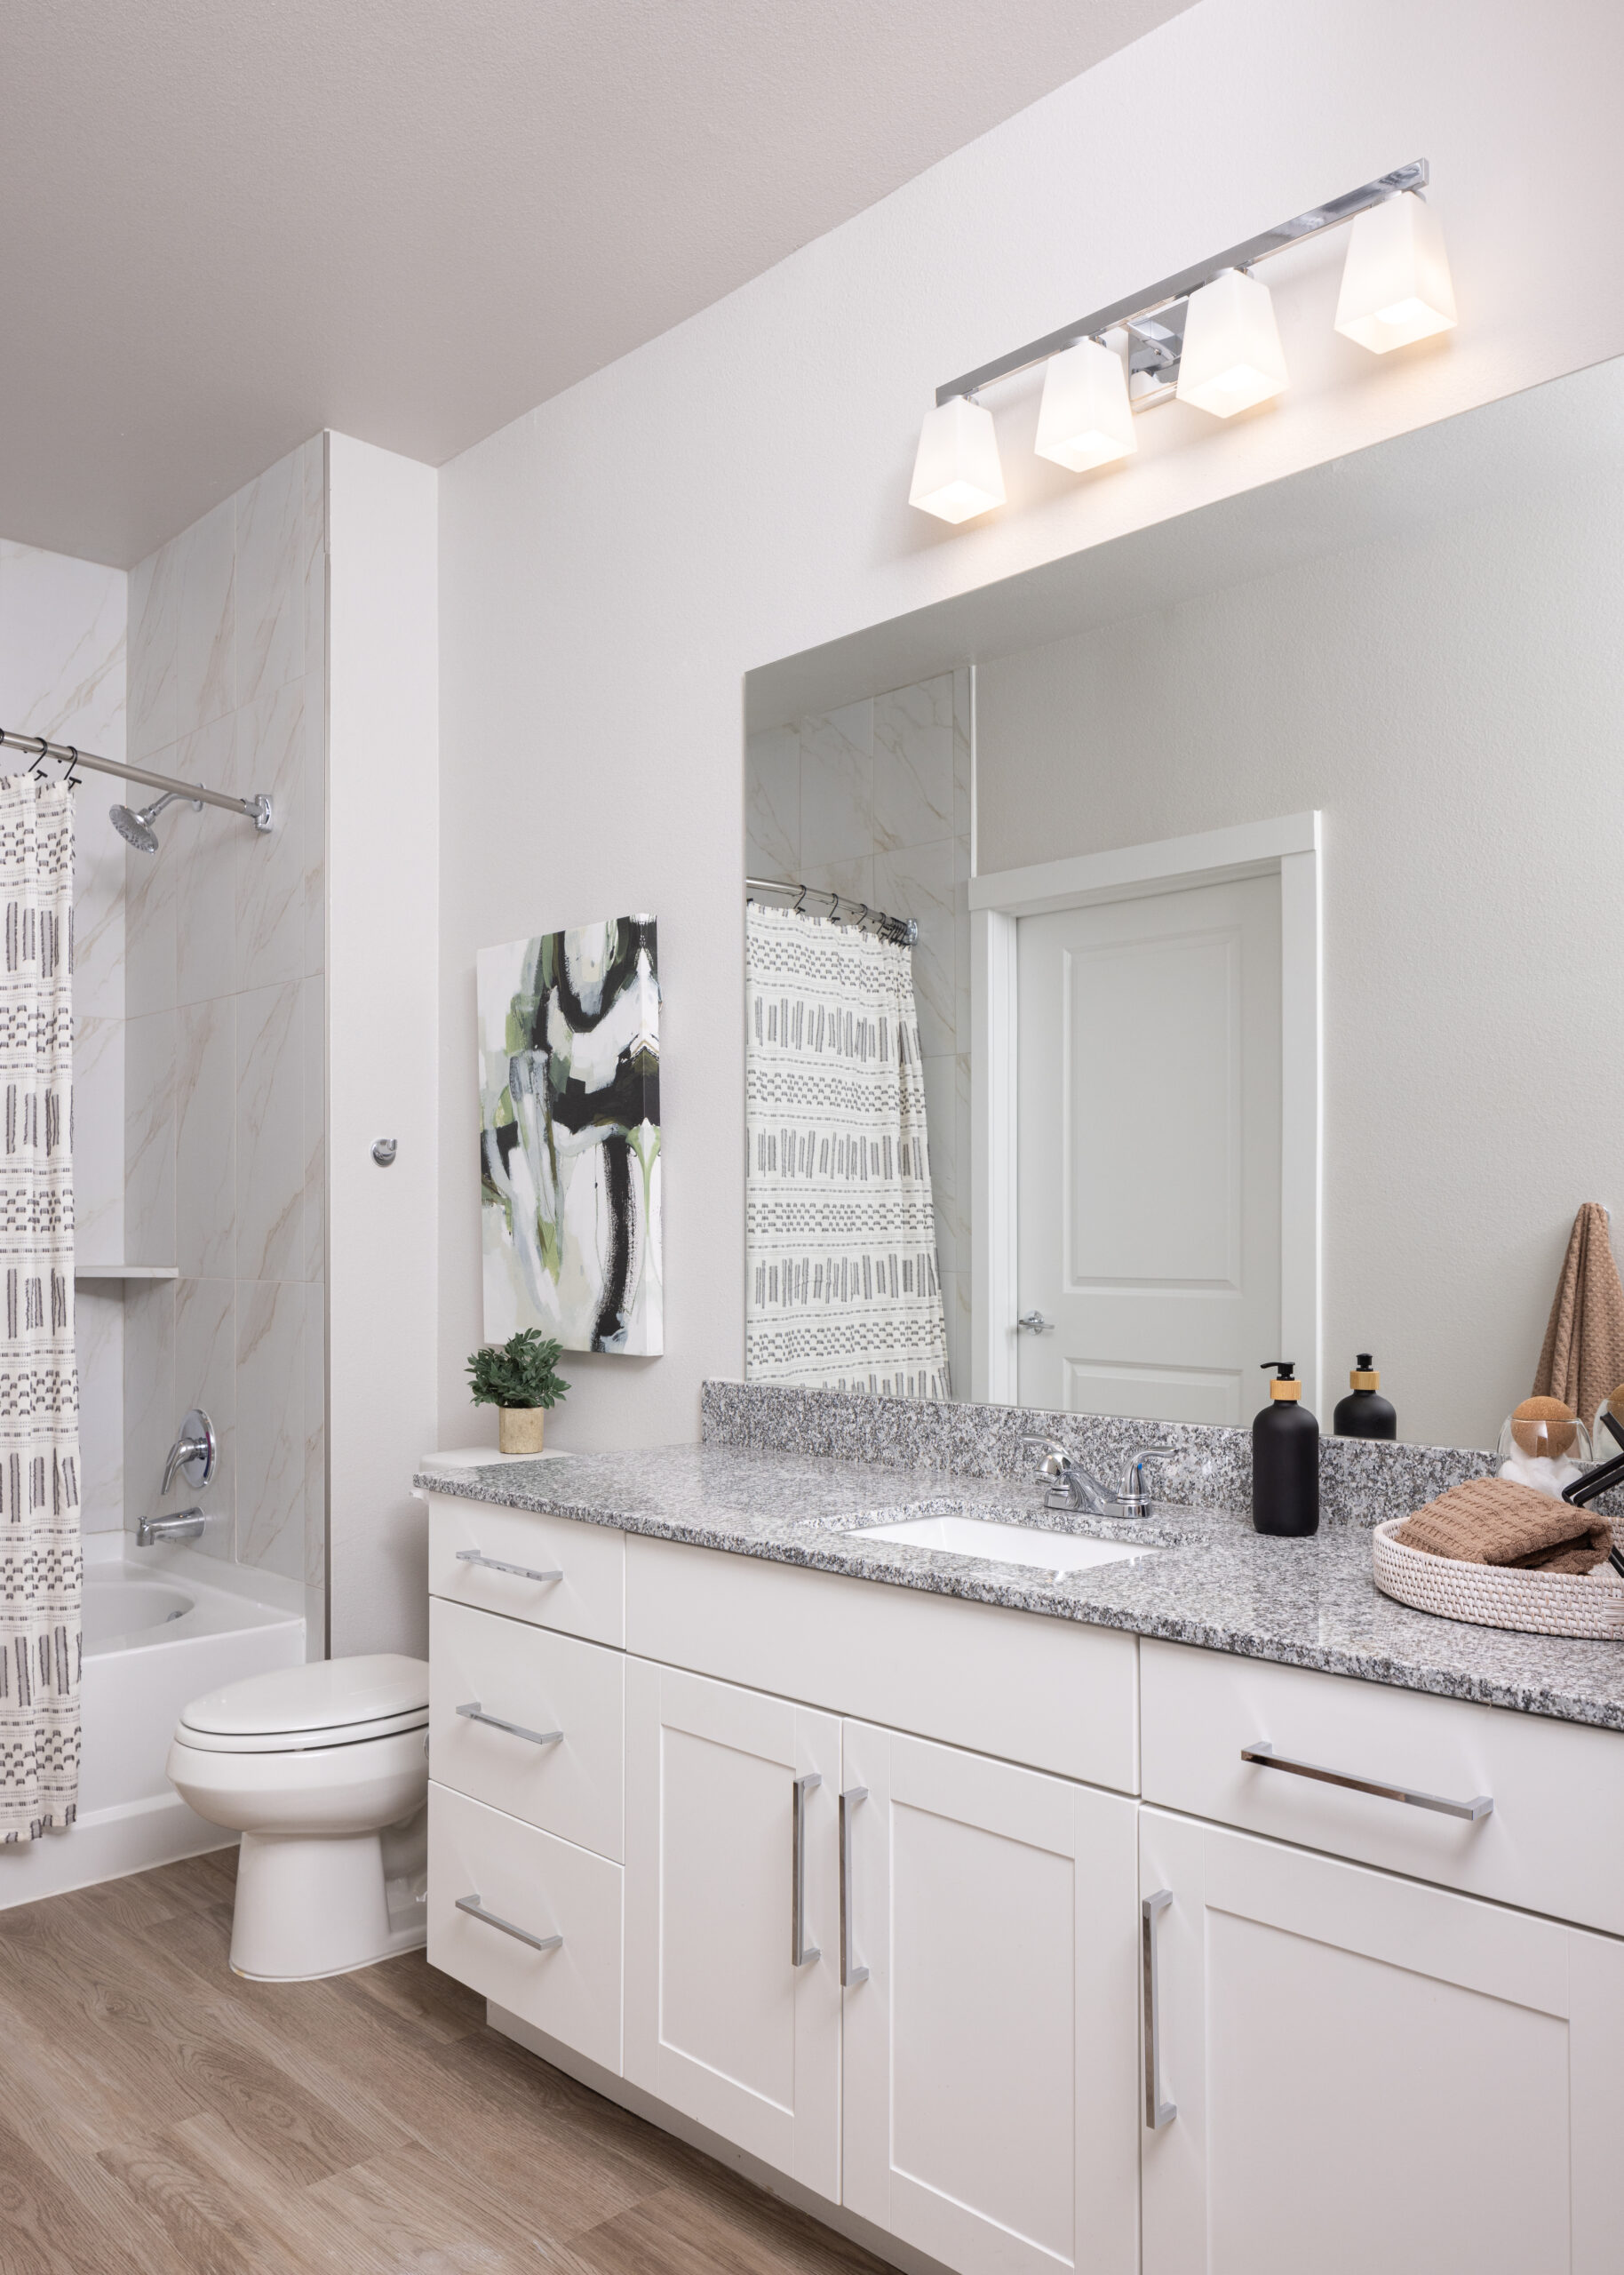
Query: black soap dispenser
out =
(1364, 1413)
(1284, 1458)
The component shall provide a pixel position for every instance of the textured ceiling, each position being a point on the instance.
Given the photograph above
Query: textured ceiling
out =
(225, 226)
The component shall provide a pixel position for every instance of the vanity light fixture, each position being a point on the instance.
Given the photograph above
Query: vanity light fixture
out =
(1206, 336)
(1086, 419)
(957, 471)
(1396, 282)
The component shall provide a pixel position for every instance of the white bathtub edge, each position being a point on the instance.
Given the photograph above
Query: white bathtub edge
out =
(106, 1844)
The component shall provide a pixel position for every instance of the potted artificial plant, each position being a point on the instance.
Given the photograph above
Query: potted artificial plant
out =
(519, 1379)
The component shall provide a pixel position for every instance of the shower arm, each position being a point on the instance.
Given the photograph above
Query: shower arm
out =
(257, 810)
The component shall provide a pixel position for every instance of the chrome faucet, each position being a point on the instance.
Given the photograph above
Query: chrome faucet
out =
(186, 1524)
(1069, 1485)
(193, 1452)
(1134, 1497)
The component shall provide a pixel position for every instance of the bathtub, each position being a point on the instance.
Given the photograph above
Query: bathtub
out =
(159, 1631)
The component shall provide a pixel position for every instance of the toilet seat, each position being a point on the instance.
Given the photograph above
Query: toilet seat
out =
(299, 1709)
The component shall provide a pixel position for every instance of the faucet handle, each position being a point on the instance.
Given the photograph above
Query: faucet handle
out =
(1133, 1476)
(1055, 1460)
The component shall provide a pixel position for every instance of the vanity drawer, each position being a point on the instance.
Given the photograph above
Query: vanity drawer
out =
(1554, 1841)
(588, 1596)
(543, 1886)
(541, 1682)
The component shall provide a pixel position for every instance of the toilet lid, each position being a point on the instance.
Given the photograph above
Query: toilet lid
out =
(329, 1695)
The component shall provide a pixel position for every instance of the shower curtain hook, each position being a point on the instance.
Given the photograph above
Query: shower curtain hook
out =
(70, 778)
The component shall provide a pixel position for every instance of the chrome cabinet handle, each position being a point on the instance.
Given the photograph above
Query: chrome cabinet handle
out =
(495, 1564)
(1158, 2112)
(475, 1910)
(1264, 1756)
(475, 1713)
(851, 1972)
(801, 1952)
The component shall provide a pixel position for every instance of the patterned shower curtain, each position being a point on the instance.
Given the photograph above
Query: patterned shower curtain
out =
(39, 1387)
(841, 1290)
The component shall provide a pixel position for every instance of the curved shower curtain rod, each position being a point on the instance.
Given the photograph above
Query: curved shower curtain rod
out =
(257, 810)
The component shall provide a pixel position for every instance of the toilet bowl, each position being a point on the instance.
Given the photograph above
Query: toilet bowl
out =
(323, 1771)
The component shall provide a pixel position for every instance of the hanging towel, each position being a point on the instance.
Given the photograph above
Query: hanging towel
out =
(1583, 1357)
(841, 1290)
(1491, 1520)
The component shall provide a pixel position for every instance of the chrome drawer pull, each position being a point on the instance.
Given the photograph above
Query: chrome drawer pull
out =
(851, 1972)
(475, 1910)
(801, 1952)
(475, 1712)
(495, 1564)
(1158, 2112)
(1262, 1756)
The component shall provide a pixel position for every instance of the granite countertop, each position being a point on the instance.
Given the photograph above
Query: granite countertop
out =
(1216, 1582)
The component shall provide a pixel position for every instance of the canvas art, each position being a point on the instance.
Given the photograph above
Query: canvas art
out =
(569, 1137)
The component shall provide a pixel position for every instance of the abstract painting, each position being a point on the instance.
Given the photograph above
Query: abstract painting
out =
(569, 1137)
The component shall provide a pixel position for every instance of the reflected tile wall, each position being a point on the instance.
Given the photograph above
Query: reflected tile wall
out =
(227, 935)
(99, 1338)
(876, 802)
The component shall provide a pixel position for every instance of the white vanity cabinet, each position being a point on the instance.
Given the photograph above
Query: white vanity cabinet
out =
(990, 2052)
(1363, 2071)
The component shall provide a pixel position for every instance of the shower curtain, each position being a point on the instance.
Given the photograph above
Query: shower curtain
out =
(841, 1288)
(39, 1390)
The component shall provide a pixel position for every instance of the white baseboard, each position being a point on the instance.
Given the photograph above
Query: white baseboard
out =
(106, 1845)
(766, 2177)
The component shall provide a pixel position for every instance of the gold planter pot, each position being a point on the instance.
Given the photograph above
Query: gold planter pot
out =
(519, 1428)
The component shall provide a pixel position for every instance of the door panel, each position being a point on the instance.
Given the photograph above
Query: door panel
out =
(1148, 1157)
(989, 2077)
(1370, 2072)
(719, 2021)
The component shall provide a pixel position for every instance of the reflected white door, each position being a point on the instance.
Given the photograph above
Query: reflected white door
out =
(1148, 1153)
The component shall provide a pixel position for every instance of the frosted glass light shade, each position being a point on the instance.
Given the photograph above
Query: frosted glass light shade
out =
(1231, 356)
(1085, 419)
(957, 471)
(1396, 284)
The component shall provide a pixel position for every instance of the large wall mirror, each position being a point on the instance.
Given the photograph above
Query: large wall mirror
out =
(1259, 878)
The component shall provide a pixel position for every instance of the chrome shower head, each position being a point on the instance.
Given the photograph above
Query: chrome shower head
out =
(136, 828)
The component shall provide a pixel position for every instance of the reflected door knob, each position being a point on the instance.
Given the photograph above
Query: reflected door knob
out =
(1035, 1324)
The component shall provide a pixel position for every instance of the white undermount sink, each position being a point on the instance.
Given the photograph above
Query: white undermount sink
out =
(1001, 1544)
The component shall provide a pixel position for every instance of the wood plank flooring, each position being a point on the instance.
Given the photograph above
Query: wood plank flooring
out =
(160, 2117)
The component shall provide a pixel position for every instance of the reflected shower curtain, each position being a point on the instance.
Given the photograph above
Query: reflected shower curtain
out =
(841, 1288)
(39, 1390)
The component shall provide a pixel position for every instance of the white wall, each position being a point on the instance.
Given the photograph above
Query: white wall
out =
(613, 563)
(62, 675)
(383, 854)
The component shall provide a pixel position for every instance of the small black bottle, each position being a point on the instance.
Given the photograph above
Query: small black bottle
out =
(1364, 1413)
(1284, 1458)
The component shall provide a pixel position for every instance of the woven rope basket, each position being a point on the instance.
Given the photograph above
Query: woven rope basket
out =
(1492, 1595)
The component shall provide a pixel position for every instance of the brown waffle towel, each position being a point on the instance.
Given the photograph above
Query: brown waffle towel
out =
(1583, 1355)
(1491, 1520)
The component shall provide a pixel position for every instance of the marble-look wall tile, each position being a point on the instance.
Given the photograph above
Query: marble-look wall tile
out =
(315, 1107)
(772, 804)
(918, 882)
(314, 821)
(151, 1415)
(837, 785)
(98, 1139)
(314, 541)
(202, 851)
(271, 1426)
(98, 1344)
(149, 1139)
(206, 1377)
(271, 573)
(271, 760)
(964, 762)
(942, 1136)
(150, 884)
(956, 1319)
(205, 646)
(98, 913)
(270, 1237)
(913, 764)
(315, 1436)
(62, 625)
(154, 718)
(205, 1138)
(852, 880)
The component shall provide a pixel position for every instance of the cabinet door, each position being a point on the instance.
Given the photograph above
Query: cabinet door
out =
(990, 2057)
(1366, 2072)
(721, 2022)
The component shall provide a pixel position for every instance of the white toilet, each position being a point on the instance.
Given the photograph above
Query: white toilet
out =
(323, 1771)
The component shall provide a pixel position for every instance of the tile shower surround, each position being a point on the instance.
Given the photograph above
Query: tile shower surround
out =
(874, 801)
(225, 1045)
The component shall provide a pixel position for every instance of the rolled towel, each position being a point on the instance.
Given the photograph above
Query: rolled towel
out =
(1491, 1520)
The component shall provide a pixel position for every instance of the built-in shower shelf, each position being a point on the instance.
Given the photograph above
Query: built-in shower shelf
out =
(126, 1272)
